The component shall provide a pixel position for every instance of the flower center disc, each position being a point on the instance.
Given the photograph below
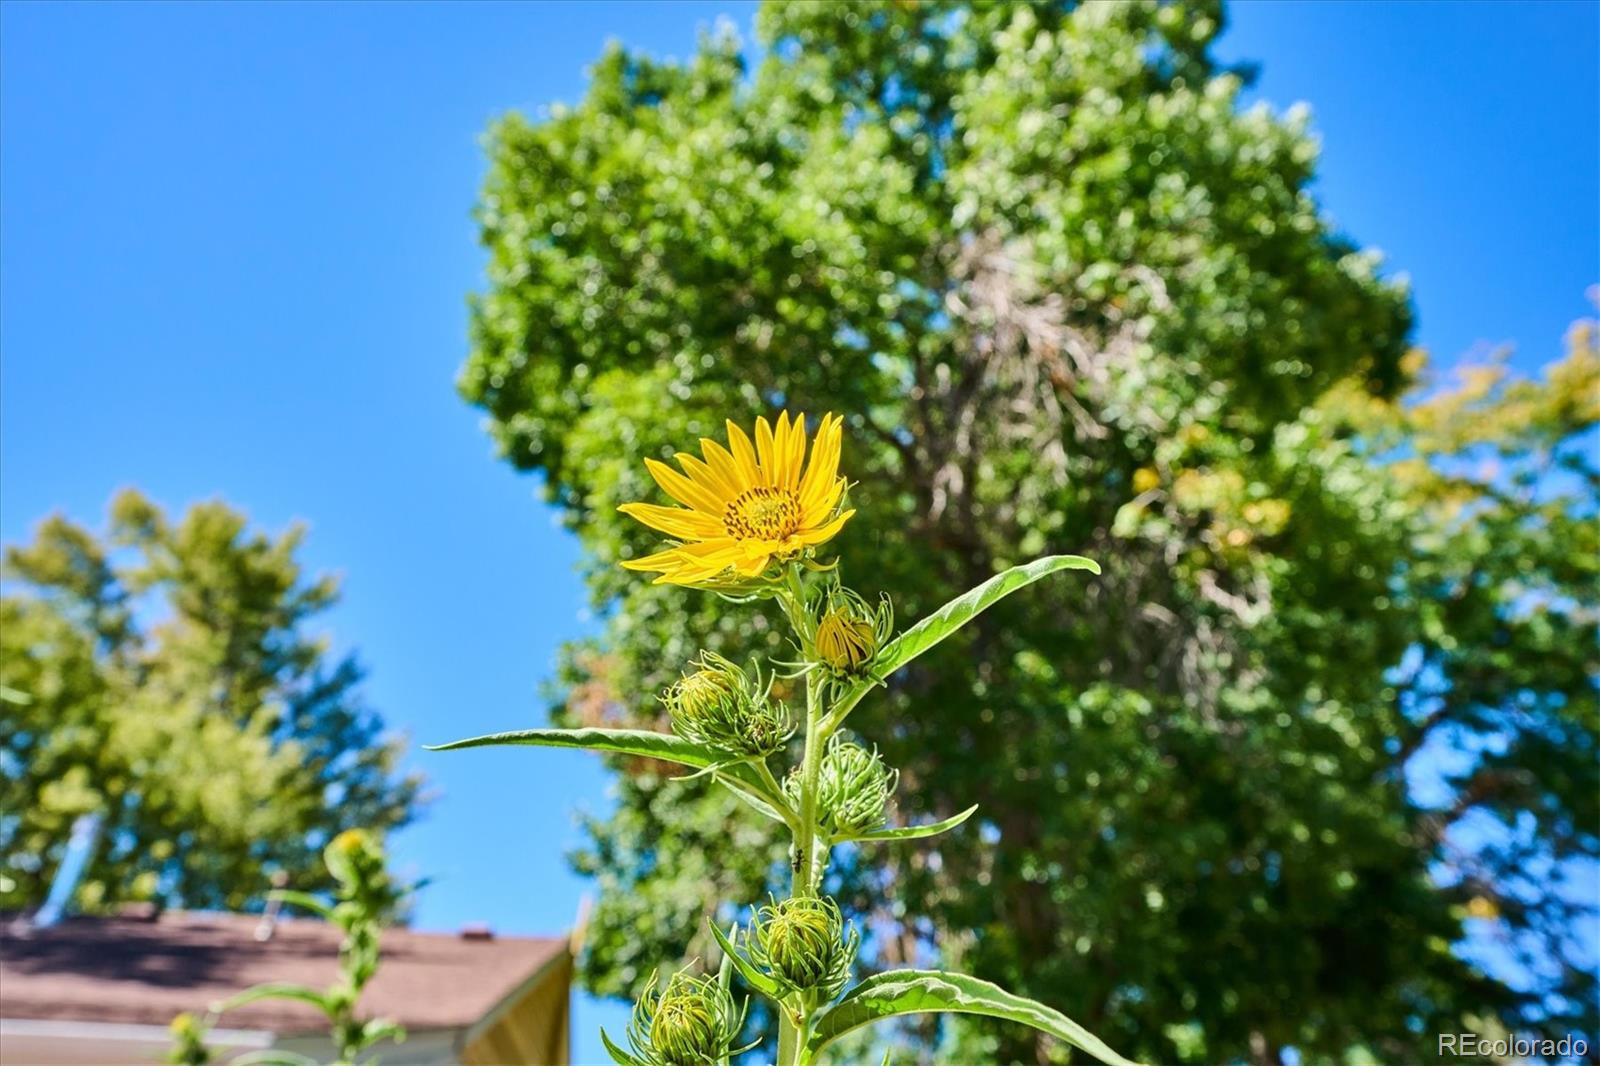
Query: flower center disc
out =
(762, 513)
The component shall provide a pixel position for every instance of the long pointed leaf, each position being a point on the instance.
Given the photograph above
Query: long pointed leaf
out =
(915, 832)
(756, 803)
(303, 900)
(620, 1057)
(752, 976)
(273, 1057)
(274, 990)
(964, 608)
(888, 995)
(668, 747)
(951, 617)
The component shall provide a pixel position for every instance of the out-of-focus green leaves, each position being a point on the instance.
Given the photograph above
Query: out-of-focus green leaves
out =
(171, 686)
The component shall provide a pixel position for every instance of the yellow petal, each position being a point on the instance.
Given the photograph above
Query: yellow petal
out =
(701, 562)
(712, 556)
(824, 533)
(662, 560)
(675, 521)
(765, 451)
(744, 455)
(722, 463)
(780, 450)
(703, 475)
(683, 490)
(751, 565)
(822, 475)
(819, 508)
(794, 452)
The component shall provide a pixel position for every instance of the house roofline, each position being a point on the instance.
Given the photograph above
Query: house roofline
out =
(512, 998)
(130, 1032)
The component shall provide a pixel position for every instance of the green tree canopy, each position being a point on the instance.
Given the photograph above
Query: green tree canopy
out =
(1071, 297)
(163, 679)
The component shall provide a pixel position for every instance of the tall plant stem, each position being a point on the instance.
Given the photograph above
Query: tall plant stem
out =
(788, 1039)
(806, 874)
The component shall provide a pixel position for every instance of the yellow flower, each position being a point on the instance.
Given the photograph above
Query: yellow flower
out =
(745, 505)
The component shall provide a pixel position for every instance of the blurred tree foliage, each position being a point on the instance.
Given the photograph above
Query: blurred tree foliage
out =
(1332, 705)
(163, 679)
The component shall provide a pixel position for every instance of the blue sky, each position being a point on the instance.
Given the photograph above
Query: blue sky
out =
(235, 244)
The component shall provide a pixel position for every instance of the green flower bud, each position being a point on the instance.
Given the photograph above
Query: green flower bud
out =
(691, 1022)
(802, 944)
(354, 857)
(188, 1041)
(718, 704)
(854, 788)
(849, 633)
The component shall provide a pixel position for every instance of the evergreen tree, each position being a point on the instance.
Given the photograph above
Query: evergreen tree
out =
(164, 682)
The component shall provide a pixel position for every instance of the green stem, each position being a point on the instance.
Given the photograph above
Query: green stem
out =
(791, 1036)
(777, 798)
(788, 1039)
(805, 880)
(835, 717)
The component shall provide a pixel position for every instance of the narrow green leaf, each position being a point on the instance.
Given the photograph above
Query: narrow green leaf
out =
(915, 832)
(757, 803)
(752, 976)
(951, 617)
(725, 967)
(620, 1057)
(668, 747)
(273, 1057)
(964, 608)
(898, 992)
(303, 900)
(378, 1029)
(274, 990)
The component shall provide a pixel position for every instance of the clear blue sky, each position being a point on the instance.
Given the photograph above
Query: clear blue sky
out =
(235, 245)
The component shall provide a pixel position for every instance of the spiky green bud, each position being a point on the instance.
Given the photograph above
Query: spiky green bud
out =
(854, 789)
(803, 944)
(720, 705)
(690, 1022)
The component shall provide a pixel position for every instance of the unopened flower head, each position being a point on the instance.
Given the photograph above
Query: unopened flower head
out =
(802, 943)
(189, 1041)
(720, 705)
(854, 788)
(354, 857)
(690, 1022)
(745, 505)
(849, 633)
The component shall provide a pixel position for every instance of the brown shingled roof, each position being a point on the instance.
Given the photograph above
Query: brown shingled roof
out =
(145, 971)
